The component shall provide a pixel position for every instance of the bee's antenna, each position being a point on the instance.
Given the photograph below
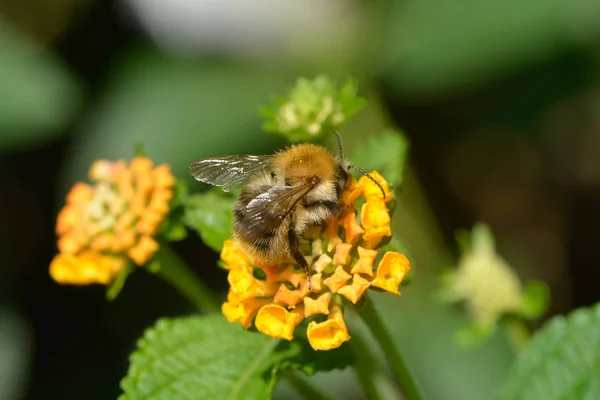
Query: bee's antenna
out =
(370, 177)
(339, 140)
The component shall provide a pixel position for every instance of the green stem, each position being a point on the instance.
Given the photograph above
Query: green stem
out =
(517, 332)
(370, 374)
(380, 332)
(304, 389)
(174, 270)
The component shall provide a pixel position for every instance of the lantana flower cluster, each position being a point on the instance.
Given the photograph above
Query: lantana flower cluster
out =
(342, 260)
(109, 224)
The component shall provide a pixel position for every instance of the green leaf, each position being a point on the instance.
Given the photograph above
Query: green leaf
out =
(211, 215)
(201, 357)
(386, 153)
(561, 362)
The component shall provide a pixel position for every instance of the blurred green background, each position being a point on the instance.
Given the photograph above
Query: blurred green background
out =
(500, 102)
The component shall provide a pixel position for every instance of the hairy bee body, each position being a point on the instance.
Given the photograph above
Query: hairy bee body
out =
(283, 195)
(300, 165)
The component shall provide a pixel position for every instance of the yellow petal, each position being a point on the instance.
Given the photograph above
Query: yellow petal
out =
(371, 190)
(375, 220)
(275, 321)
(233, 255)
(329, 334)
(242, 311)
(243, 283)
(391, 271)
(86, 268)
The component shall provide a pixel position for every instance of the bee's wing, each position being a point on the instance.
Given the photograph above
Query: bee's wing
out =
(263, 214)
(229, 172)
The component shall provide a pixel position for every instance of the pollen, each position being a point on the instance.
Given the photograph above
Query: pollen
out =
(343, 266)
(115, 217)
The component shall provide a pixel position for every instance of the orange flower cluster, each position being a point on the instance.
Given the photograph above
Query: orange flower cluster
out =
(105, 226)
(342, 261)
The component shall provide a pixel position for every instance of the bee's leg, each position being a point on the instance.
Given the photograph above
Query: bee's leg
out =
(293, 242)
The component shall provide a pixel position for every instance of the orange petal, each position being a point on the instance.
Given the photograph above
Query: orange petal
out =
(123, 241)
(140, 165)
(289, 297)
(143, 250)
(102, 242)
(69, 217)
(124, 181)
(320, 305)
(355, 291)
(331, 234)
(149, 222)
(351, 192)
(275, 321)
(80, 193)
(352, 227)
(329, 334)
(292, 275)
(162, 176)
(338, 279)
(70, 244)
(342, 253)
(366, 257)
(391, 271)
(159, 202)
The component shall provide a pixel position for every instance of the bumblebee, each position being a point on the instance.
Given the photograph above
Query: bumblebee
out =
(284, 195)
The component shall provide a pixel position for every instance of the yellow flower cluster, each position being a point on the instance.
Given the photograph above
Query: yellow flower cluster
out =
(342, 260)
(106, 225)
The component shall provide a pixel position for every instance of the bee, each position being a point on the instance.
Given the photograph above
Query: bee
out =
(284, 194)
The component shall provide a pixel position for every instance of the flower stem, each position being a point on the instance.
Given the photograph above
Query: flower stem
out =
(369, 371)
(305, 390)
(174, 270)
(380, 332)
